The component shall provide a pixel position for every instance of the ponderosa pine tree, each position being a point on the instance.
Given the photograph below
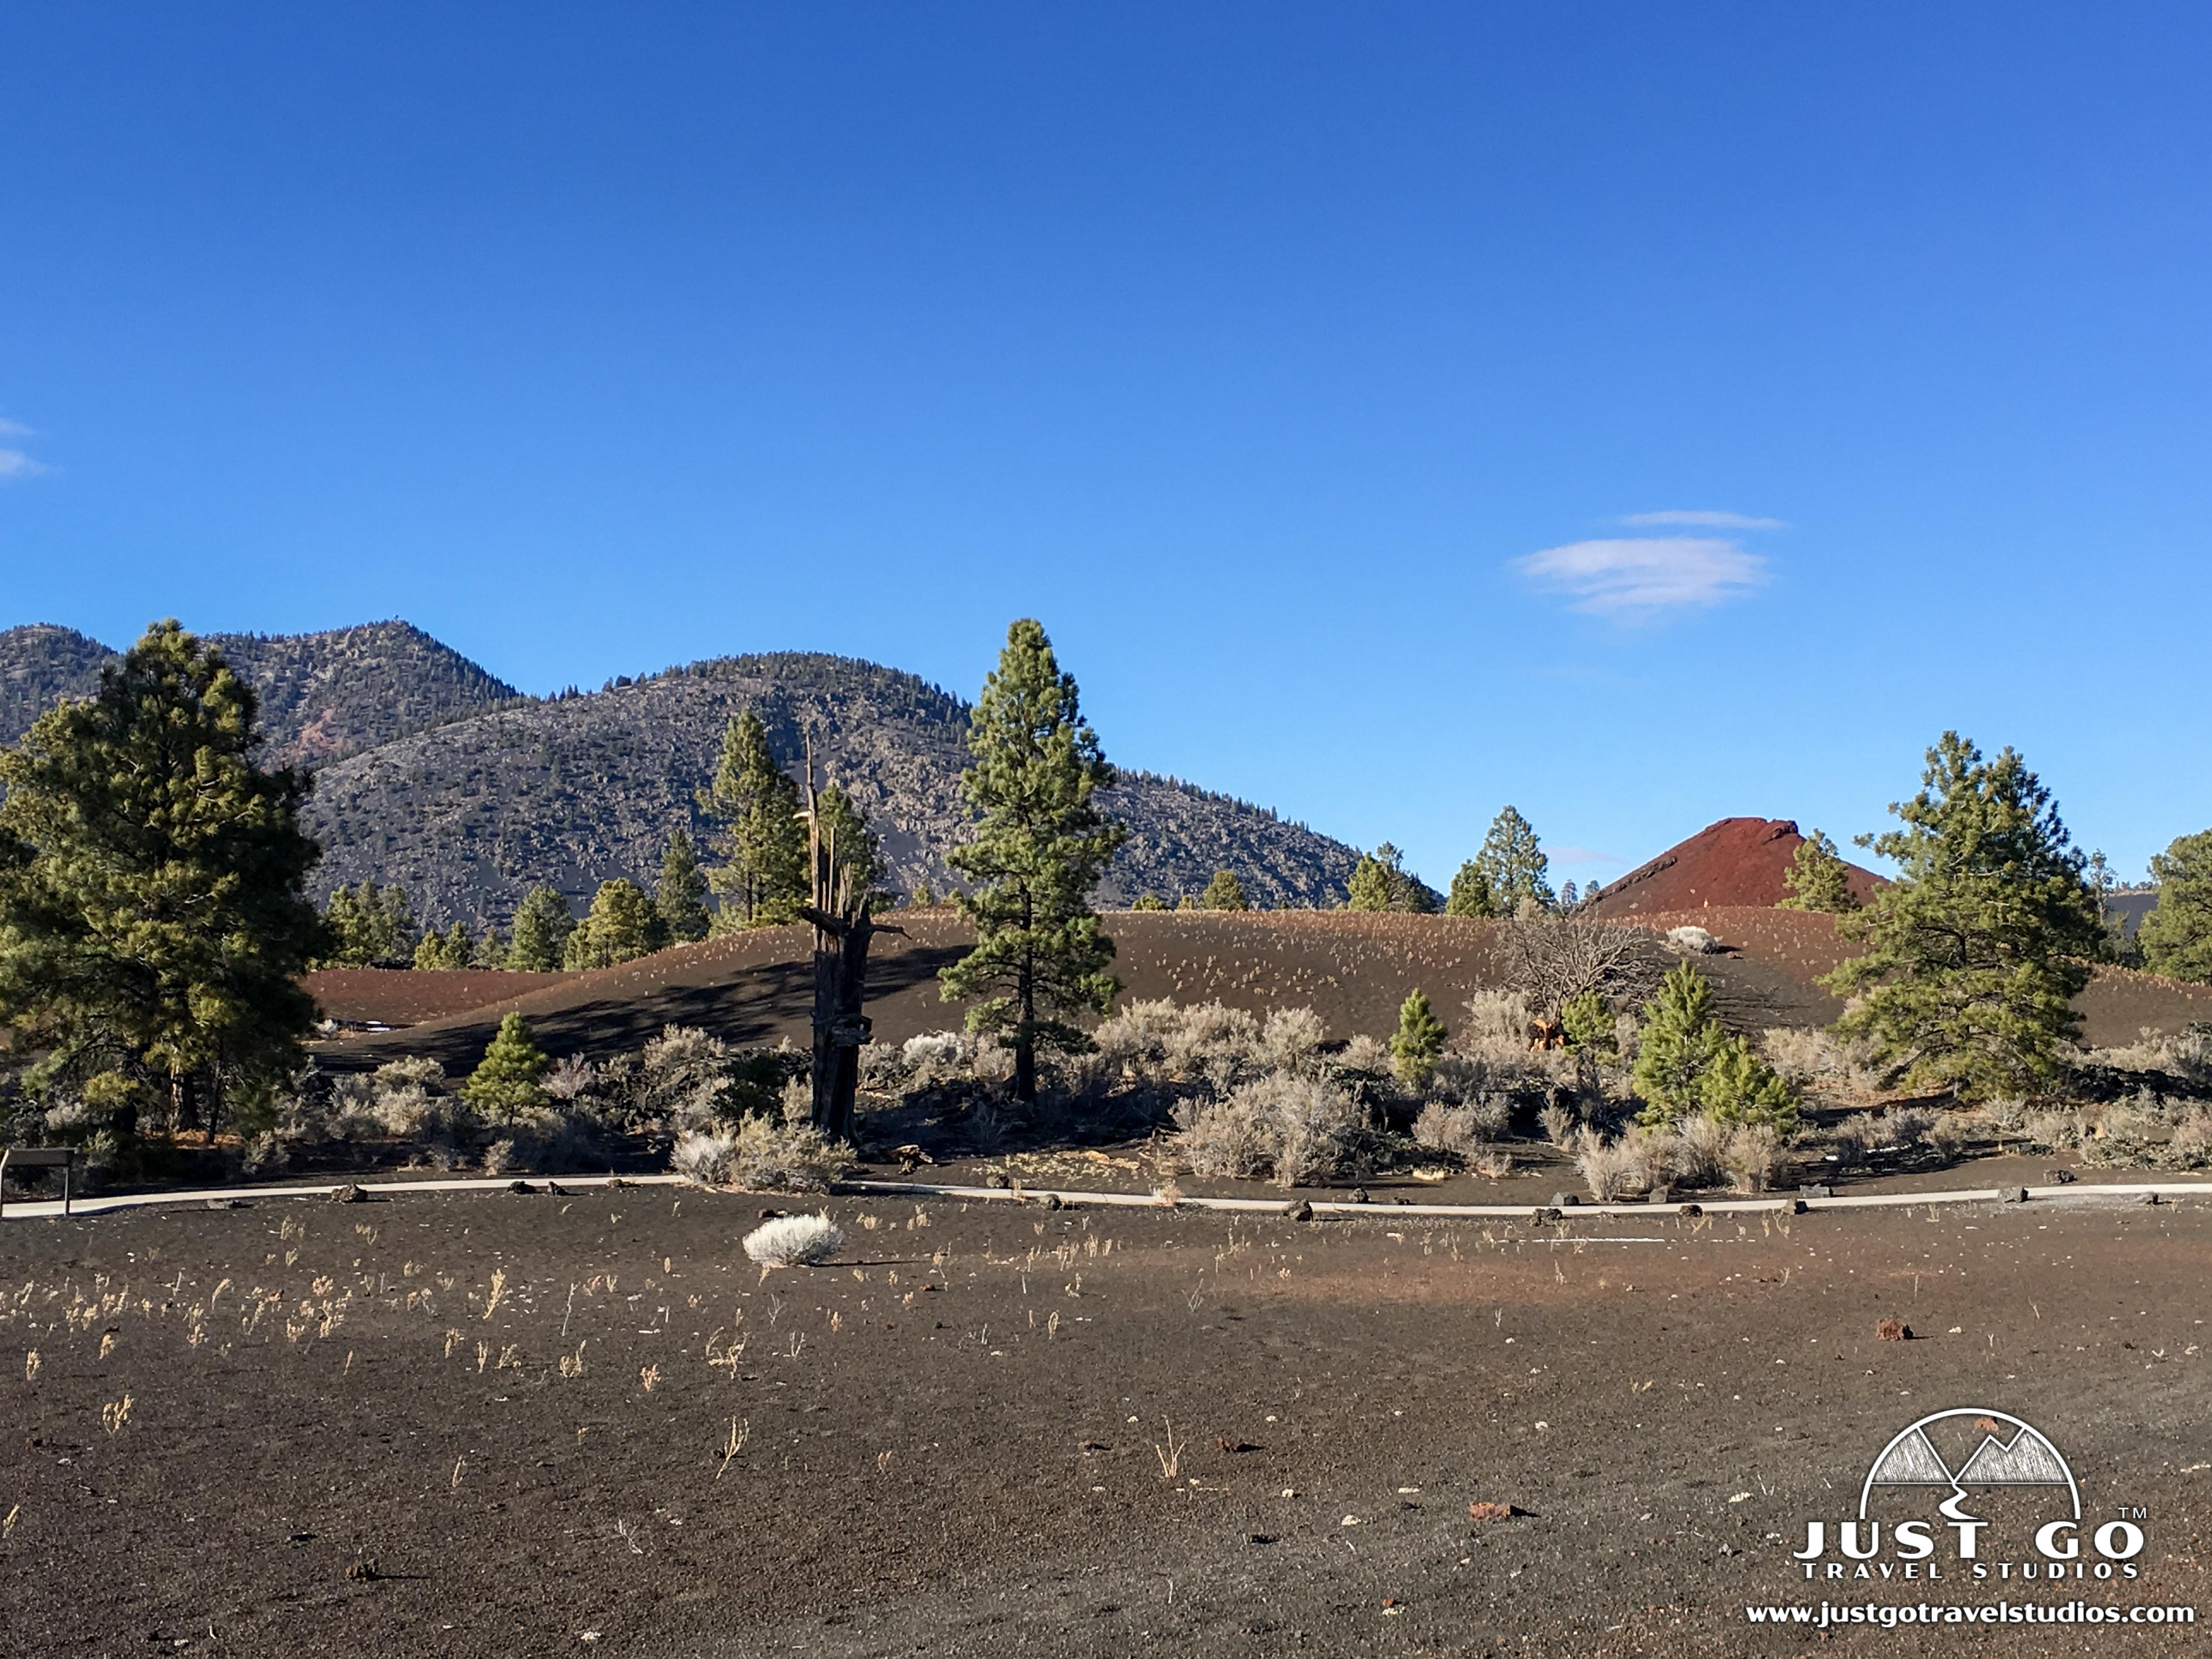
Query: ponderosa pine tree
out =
(1224, 892)
(1679, 1039)
(510, 1080)
(1419, 1041)
(1470, 893)
(2177, 937)
(1380, 881)
(1980, 944)
(1513, 863)
(860, 853)
(680, 894)
(454, 948)
(153, 924)
(368, 924)
(621, 925)
(543, 923)
(762, 877)
(1817, 878)
(1041, 844)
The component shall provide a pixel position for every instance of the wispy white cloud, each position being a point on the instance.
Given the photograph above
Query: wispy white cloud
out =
(1632, 576)
(10, 430)
(1688, 520)
(14, 463)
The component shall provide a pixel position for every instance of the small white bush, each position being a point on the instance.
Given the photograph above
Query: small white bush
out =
(1457, 1129)
(1694, 940)
(794, 1241)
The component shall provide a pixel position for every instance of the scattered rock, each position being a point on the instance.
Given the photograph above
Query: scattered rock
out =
(1795, 1207)
(1259, 1538)
(348, 1193)
(771, 1215)
(615, 1183)
(1299, 1211)
(1660, 1195)
(556, 1189)
(1691, 1209)
(996, 1178)
(1236, 1446)
(911, 1155)
(1816, 1191)
(2060, 1177)
(1551, 1212)
(1360, 1195)
(520, 1186)
(364, 1570)
(2013, 1195)
(2151, 1197)
(229, 1204)
(1051, 1201)
(1565, 1200)
(1093, 1446)
(1892, 1330)
(1490, 1511)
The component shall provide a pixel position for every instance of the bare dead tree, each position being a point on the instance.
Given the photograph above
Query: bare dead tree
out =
(842, 929)
(1551, 960)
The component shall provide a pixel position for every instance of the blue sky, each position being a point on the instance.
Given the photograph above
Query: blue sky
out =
(1640, 414)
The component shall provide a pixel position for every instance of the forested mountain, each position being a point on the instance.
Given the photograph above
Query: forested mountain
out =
(323, 695)
(433, 773)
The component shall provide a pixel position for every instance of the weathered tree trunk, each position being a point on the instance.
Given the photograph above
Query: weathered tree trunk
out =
(842, 929)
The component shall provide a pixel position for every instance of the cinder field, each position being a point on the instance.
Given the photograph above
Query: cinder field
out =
(503, 1423)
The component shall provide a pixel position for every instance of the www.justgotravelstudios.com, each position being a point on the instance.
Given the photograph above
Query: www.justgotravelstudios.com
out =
(1827, 1615)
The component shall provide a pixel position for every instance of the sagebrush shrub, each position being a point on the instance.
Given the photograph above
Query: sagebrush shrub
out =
(1757, 1153)
(1608, 1168)
(1701, 1150)
(759, 1154)
(794, 1241)
(1295, 1129)
(1457, 1129)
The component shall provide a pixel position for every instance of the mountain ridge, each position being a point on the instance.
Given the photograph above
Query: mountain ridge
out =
(435, 775)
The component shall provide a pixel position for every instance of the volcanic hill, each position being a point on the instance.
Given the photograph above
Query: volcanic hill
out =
(1736, 861)
(433, 773)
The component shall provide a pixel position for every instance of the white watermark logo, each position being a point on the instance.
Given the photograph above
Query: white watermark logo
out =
(1998, 1475)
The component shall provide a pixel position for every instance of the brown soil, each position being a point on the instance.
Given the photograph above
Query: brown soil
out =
(1352, 968)
(1735, 861)
(398, 996)
(953, 1442)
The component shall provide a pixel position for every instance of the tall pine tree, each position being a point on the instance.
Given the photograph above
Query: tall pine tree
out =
(2177, 937)
(621, 925)
(762, 877)
(543, 922)
(1041, 844)
(680, 894)
(859, 852)
(1514, 864)
(1979, 947)
(1470, 893)
(152, 926)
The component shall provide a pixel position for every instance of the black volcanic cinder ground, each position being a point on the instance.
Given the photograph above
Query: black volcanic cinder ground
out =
(951, 1442)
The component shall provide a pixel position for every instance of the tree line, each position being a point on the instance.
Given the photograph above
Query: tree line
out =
(154, 922)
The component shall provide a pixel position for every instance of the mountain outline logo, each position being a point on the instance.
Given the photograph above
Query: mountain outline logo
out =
(2027, 1458)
